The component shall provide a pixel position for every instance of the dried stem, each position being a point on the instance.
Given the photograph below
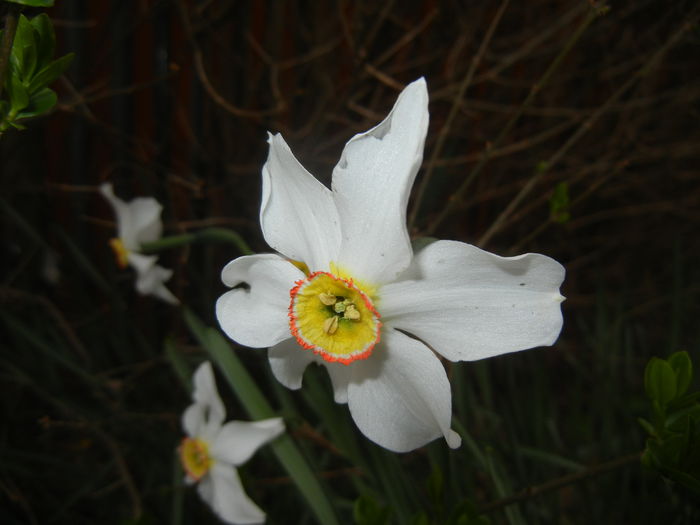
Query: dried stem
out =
(558, 483)
(456, 104)
(7, 39)
(585, 126)
(534, 90)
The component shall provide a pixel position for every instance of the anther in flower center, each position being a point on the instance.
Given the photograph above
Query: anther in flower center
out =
(333, 317)
(120, 252)
(194, 455)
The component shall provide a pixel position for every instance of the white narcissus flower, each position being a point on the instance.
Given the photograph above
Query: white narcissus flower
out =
(348, 292)
(212, 450)
(138, 222)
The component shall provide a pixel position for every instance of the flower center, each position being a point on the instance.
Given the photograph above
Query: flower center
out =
(194, 454)
(120, 251)
(333, 317)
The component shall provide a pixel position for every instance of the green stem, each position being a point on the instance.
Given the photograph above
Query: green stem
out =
(207, 235)
(8, 38)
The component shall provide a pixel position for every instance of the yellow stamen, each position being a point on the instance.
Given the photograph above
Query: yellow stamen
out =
(352, 313)
(120, 251)
(342, 330)
(330, 325)
(327, 299)
(195, 458)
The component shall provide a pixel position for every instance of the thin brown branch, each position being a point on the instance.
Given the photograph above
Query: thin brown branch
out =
(534, 90)
(559, 483)
(213, 93)
(585, 126)
(8, 37)
(456, 103)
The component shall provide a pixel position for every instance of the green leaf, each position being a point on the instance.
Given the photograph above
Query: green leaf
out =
(466, 513)
(559, 203)
(182, 370)
(39, 103)
(435, 486)
(33, 3)
(420, 519)
(257, 407)
(367, 511)
(19, 98)
(46, 39)
(51, 72)
(17, 126)
(23, 54)
(647, 426)
(683, 368)
(660, 381)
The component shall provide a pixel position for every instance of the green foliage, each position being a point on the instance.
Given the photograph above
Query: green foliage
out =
(31, 70)
(673, 445)
(559, 203)
(368, 511)
(33, 3)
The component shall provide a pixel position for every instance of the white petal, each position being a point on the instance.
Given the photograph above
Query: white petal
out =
(288, 360)
(224, 493)
(238, 440)
(297, 214)
(257, 316)
(340, 378)
(400, 396)
(371, 185)
(138, 221)
(193, 419)
(150, 277)
(471, 304)
(204, 393)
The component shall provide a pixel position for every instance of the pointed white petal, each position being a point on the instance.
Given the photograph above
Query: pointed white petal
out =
(297, 214)
(150, 277)
(193, 419)
(400, 396)
(204, 393)
(257, 316)
(138, 221)
(145, 219)
(471, 304)
(371, 185)
(238, 440)
(340, 378)
(288, 361)
(224, 493)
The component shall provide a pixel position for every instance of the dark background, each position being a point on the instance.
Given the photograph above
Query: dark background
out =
(173, 99)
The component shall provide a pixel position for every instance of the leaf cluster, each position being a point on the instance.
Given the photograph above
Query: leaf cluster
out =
(31, 69)
(673, 445)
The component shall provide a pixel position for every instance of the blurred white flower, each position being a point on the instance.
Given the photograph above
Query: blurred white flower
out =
(212, 450)
(138, 222)
(348, 292)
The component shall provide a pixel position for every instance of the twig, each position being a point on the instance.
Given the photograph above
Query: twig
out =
(7, 295)
(7, 38)
(208, 86)
(587, 124)
(456, 104)
(534, 90)
(558, 483)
